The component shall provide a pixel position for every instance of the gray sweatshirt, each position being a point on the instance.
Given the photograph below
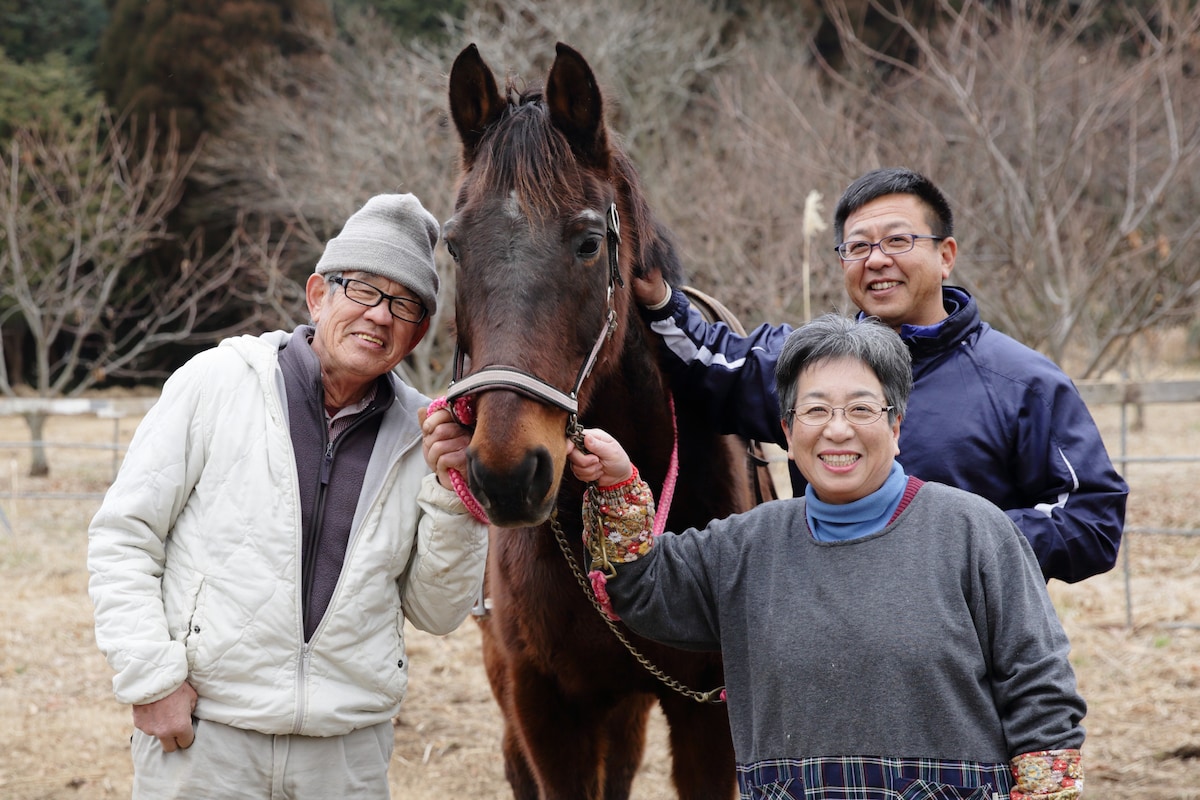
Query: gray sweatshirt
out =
(933, 638)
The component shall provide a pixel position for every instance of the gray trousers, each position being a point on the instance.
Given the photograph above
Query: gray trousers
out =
(235, 764)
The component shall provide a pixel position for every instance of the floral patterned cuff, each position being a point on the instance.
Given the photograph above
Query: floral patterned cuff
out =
(618, 521)
(1048, 775)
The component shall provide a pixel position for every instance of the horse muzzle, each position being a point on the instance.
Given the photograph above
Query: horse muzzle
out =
(520, 494)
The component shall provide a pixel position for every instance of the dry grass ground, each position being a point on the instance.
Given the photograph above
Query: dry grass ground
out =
(63, 736)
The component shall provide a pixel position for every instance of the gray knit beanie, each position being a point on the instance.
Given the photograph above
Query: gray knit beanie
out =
(392, 236)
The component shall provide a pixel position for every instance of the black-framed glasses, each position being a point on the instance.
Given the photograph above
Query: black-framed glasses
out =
(862, 413)
(363, 293)
(892, 245)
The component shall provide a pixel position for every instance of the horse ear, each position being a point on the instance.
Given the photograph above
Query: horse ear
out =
(575, 103)
(475, 102)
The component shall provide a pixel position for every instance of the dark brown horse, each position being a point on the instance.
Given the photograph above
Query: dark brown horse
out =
(549, 225)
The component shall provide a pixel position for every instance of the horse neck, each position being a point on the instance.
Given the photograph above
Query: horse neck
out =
(633, 401)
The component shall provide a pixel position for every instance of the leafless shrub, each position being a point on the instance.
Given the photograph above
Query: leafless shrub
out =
(78, 207)
(1071, 163)
(765, 136)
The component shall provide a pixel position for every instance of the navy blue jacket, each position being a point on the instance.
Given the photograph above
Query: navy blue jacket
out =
(987, 414)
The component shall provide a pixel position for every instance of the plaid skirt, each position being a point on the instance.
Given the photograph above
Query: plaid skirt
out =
(872, 778)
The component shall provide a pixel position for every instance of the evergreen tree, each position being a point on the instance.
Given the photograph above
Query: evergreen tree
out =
(180, 59)
(31, 29)
(417, 18)
(52, 92)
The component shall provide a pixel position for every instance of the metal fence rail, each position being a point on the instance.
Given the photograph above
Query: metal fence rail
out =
(1133, 395)
(115, 409)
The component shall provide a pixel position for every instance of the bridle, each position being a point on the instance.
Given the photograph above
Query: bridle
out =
(522, 382)
(462, 390)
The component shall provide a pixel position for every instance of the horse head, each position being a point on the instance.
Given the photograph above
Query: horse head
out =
(541, 262)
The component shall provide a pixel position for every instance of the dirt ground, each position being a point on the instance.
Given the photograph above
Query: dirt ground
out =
(1135, 634)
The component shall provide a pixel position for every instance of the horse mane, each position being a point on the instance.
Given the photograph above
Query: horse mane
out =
(529, 157)
(655, 245)
(534, 160)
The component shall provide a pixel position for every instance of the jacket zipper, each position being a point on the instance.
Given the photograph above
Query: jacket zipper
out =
(301, 682)
(312, 537)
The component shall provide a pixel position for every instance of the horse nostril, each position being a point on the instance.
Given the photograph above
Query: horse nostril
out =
(541, 478)
(517, 496)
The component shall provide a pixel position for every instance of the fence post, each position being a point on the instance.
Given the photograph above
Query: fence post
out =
(15, 495)
(1125, 543)
(116, 452)
(4, 519)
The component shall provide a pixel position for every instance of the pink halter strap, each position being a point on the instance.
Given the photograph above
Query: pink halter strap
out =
(464, 413)
(668, 490)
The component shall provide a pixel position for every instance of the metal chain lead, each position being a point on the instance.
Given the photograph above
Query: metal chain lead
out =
(711, 696)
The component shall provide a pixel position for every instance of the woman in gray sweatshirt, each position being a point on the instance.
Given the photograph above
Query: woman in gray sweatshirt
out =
(881, 635)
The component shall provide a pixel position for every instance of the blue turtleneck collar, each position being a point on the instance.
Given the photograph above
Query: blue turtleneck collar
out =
(846, 521)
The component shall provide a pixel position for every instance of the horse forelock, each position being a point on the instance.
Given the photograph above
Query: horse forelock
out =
(525, 156)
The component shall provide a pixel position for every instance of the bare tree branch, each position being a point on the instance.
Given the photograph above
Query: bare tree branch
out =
(80, 207)
(1063, 153)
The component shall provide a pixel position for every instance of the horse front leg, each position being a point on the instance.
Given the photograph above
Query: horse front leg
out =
(499, 674)
(625, 743)
(516, 766)
(562, 738)
(703, 765)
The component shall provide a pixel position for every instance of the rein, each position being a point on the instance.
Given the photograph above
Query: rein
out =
(716, 695)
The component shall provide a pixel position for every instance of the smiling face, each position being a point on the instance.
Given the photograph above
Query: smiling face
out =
(355, 343)
(843, 462)
(900, 289)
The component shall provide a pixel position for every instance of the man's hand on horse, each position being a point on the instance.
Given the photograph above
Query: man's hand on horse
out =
(170, 719)
(444, 442)
(650, 289)
(605, 463)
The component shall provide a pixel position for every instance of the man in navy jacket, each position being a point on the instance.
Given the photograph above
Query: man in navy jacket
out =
(987, 413)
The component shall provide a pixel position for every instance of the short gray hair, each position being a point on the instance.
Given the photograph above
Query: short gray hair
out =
(833, 336)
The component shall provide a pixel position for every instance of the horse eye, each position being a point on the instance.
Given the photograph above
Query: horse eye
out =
(589, 247)
(452, 250)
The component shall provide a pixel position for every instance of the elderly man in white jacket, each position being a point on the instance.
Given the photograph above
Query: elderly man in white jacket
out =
(282, 510)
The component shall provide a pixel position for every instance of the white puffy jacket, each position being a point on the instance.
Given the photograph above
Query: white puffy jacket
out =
(195, 560)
